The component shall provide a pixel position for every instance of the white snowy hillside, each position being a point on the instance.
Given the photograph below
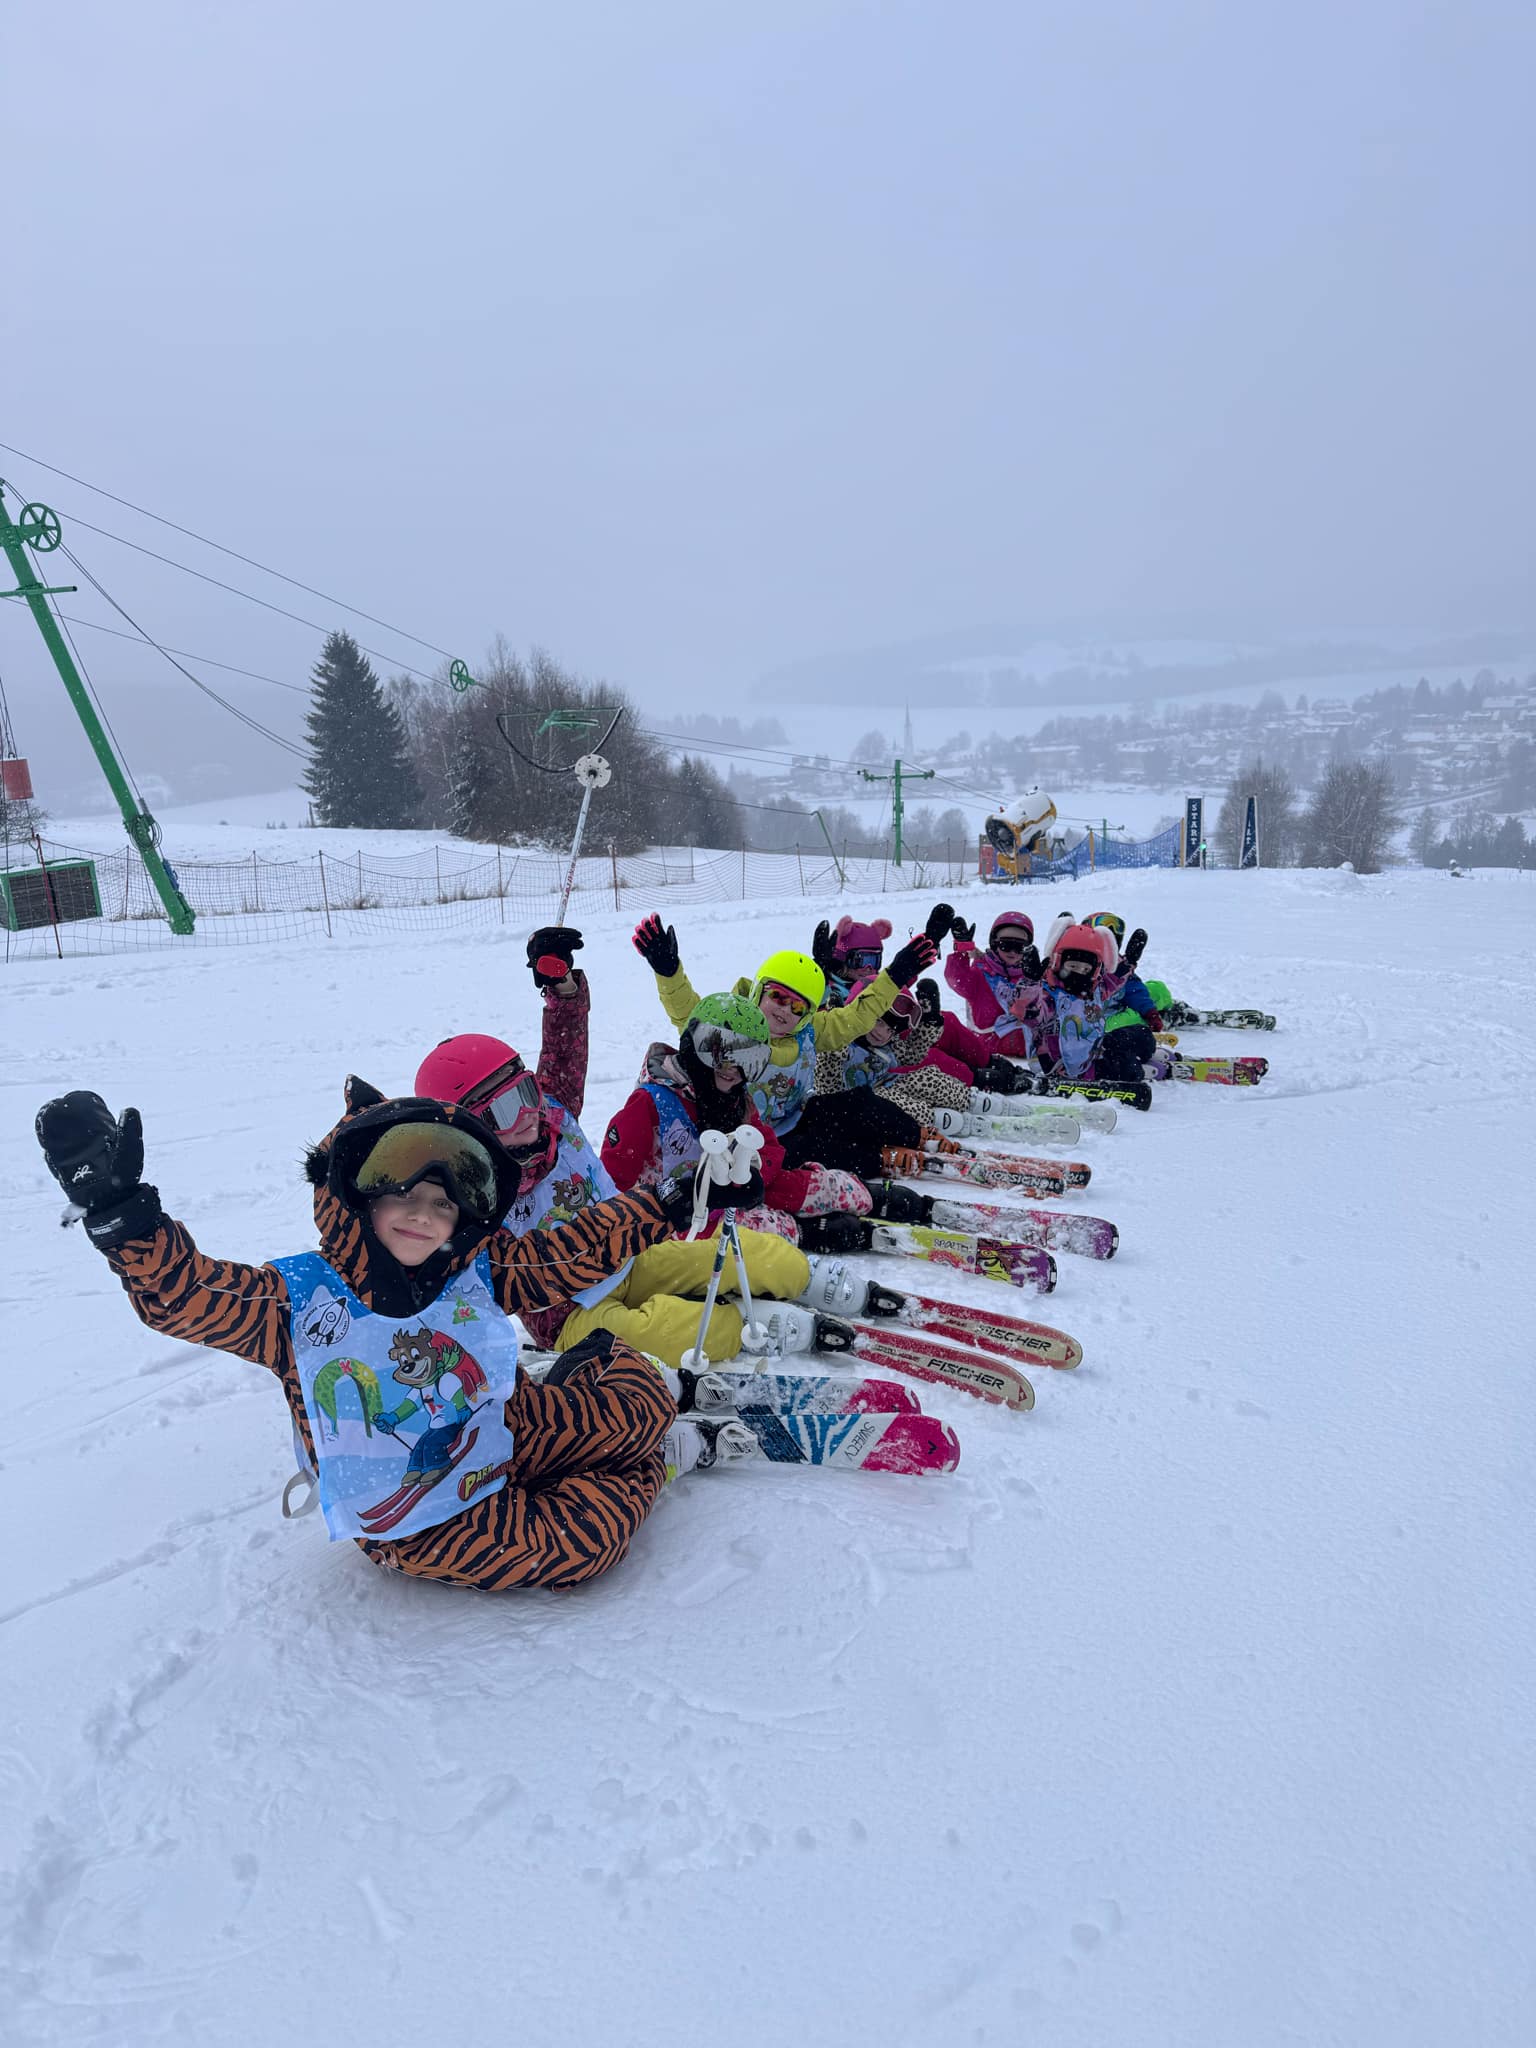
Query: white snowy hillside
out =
(1195, 1710)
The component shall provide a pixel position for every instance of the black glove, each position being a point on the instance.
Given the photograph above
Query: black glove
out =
(915, 955)
(940, 923)
(835, 1233)
(656, 944)
(1002, 1077)
(933, 1004)
(551, 953)
(824, 947)
(893, 1204)
(964, 933)
(675, 1194)
(1135, 946)
(98, 1160)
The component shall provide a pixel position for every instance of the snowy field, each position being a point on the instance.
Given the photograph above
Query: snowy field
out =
(1194, 1711)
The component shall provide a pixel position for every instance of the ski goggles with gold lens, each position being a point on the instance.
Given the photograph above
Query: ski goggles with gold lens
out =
(407, 1153)
(506, 1096)
(796, 1005)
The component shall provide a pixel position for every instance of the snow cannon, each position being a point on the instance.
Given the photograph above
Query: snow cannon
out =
(1021, 832)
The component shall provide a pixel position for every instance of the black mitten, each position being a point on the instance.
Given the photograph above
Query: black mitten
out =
(914, 956)
(98, 1160)
(893, 1204)
(656, 944)
(836, 1233)
(964, 934)
(940, 923)
(932, 1002)
(1002, 1077)
(824, 947)
(1135, 946)
(551, 953)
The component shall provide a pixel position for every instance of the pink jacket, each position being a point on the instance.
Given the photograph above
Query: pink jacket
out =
(964, 972)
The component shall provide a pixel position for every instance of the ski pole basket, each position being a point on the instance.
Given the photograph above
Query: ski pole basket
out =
(62, 892)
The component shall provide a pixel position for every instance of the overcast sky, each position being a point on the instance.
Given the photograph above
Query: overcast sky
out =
(686, 337)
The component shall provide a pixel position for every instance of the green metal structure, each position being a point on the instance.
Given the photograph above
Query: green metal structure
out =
(37, 527)
(895, 780)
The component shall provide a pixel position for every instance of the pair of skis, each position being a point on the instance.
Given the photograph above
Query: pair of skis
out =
(1228, 1020)
(948, 1159)
(1014, 1263)
(1232, 1073)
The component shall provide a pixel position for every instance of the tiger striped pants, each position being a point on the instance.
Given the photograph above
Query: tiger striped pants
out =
(587, 1467)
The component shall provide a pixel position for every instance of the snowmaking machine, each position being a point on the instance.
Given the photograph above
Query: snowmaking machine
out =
(1022, 832)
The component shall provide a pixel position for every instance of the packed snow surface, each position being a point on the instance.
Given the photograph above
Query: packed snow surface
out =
(1196, 1708)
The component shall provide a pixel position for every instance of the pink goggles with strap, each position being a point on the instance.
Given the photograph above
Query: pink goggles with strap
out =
(507, 1097)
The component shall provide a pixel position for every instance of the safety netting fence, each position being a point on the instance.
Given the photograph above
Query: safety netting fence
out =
(258, 899)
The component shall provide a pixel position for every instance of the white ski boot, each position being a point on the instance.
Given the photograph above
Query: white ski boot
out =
(834, 1289)
(694, 1445)
(779, 1328)
(957, 1123)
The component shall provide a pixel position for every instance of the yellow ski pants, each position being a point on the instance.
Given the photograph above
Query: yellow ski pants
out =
(657, 1308)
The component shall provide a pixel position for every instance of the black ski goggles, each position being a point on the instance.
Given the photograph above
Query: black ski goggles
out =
(862, 959)
(1009, 942)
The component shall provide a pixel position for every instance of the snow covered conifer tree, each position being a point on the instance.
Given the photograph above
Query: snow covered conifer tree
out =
(359, 772)
(470, 784)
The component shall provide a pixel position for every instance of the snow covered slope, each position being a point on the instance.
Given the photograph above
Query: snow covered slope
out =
(1195, 1709)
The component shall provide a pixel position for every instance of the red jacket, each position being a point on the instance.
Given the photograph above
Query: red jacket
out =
(632, 1154)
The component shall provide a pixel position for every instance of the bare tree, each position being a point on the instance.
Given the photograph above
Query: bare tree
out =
(1352, 817)
(1279, 824)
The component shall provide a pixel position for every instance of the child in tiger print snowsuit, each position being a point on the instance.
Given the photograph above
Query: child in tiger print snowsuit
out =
(587, 1457)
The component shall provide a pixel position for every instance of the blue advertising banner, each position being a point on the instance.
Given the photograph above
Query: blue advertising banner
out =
(1194, 830)
(1250, 853)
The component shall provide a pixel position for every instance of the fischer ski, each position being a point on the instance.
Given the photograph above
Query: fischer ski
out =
(721, 1392)
(1137, 1094)
(867, 1443)
(969, 1370)
(1052, 1230)
(953, 1356)
(957, 1321)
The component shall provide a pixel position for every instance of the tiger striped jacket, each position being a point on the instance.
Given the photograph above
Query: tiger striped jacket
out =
(616, 1414)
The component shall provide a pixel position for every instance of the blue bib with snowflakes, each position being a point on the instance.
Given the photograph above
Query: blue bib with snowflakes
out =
(406, 1412)
(577, 1179)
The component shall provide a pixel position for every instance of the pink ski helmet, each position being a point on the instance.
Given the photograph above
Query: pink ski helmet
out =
(1011, 919)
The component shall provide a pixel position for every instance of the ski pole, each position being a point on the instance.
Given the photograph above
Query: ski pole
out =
(697, 1359)
(746, 1143)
